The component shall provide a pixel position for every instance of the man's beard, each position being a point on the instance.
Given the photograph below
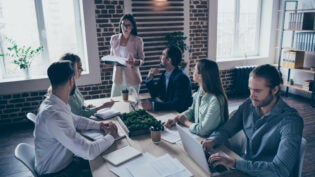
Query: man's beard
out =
(73, 90)
(266, 101)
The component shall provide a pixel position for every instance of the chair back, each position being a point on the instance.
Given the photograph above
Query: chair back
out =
(31, 116)
(25, 153)
(302, 154)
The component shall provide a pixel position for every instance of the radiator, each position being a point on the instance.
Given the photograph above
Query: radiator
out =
(241, 75)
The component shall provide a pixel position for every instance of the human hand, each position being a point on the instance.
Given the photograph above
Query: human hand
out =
(133, 62)
(152, 72)
(181, 119)
(221, 158)
(109, 128)
(146, 105)
(170, 123)
(207, 145)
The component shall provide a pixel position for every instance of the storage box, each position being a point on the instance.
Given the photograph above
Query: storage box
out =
(292, 59)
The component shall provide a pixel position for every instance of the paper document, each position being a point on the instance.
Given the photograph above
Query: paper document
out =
(97, 134)
(114, 59)
(106, 113)
(170, 135)
(121, 155)
(122, 171)
(163, 166)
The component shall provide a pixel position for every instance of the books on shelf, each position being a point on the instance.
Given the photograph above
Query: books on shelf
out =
(307, 85)
(292, 59)
(301, 21)
(304, 41)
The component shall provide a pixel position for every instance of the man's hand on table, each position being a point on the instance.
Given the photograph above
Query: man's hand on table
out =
(109, 128)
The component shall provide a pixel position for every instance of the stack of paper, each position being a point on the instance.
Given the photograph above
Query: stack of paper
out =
(164, 166)
(114, 59)
(170, 135)
(106, 113)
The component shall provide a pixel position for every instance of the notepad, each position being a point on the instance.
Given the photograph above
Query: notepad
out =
(121, 155)
(114, 59)
(106, 113)
(97, 134)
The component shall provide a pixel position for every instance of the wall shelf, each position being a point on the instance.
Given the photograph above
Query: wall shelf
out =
(301, 24)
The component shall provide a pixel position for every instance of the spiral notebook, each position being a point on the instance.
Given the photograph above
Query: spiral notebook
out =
(121, 155)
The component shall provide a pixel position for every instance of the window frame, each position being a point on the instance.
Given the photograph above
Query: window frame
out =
(90, 41)
(267, 46)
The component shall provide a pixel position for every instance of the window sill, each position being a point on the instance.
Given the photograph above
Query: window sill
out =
(225, 64)
(9, 86)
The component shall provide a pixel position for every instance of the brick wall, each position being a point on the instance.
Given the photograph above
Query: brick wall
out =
(13, 108)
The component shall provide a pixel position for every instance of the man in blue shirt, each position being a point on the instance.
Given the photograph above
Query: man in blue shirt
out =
(173, 90)
(273, 130)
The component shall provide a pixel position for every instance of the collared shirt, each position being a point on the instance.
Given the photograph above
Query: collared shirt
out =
(273, 140)
(56, 138)
(205, 113)
(167, 77)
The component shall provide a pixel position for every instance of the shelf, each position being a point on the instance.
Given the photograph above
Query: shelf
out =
(297, 87)
(298, 10)
(292, 49)
(302, 70)
(298, 31)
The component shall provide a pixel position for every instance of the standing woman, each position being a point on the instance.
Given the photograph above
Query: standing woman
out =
(210, 107)
(128, 45)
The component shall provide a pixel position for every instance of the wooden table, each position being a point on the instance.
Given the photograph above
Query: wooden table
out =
(143, 143)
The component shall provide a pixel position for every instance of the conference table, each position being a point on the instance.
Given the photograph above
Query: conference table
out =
(143, 143)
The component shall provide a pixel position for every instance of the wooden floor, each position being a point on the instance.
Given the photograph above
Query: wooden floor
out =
(10, 167)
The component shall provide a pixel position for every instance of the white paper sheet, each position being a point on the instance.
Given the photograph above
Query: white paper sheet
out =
(170, 135)
(106, 113)
(122, 171)
(114, 59)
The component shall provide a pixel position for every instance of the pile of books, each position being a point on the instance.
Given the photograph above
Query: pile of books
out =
(307, 85)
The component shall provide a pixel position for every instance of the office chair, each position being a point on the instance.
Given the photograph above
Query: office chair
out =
(31, 116)
(25, 153)
(301, 159)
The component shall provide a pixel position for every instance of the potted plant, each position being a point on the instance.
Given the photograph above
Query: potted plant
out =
(22, 55)
(177, 38)
(156, 129)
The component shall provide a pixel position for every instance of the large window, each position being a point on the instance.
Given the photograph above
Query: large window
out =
(238, 28)
(54, 24)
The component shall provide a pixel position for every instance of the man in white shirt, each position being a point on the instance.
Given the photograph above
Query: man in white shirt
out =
(56, 136)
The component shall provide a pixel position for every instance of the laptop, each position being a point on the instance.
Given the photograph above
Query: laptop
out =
(194, 149)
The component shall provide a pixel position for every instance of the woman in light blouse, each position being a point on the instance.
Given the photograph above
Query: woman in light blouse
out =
(128, 45)
(210, 107)
(76, 100)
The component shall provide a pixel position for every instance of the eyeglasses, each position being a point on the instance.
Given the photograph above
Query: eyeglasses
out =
(127, 25)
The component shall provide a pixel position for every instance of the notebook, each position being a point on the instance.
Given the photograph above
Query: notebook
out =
(121, 155)
(106, 113)
(97, 134)
(196, 152)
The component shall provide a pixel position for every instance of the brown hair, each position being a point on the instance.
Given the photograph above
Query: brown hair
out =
(211, 83)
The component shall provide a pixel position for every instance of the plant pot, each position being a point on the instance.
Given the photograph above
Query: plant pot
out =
(26, 73)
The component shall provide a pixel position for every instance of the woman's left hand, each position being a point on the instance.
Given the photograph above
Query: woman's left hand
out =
(133, 62)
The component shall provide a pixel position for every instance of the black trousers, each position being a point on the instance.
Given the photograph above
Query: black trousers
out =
(78, 168)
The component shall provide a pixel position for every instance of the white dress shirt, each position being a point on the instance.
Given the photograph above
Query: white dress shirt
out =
(57, 139)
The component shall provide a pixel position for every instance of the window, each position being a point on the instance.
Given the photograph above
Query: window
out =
(54, 24)
(238, 28)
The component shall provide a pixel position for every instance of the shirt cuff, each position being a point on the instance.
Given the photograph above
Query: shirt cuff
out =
(153, 105)
(109, 138)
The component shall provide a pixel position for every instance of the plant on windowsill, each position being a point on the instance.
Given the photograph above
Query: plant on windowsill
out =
(21, 55)
(177, 38)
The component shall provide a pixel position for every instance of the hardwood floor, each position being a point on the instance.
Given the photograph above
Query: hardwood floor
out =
(10, 137)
